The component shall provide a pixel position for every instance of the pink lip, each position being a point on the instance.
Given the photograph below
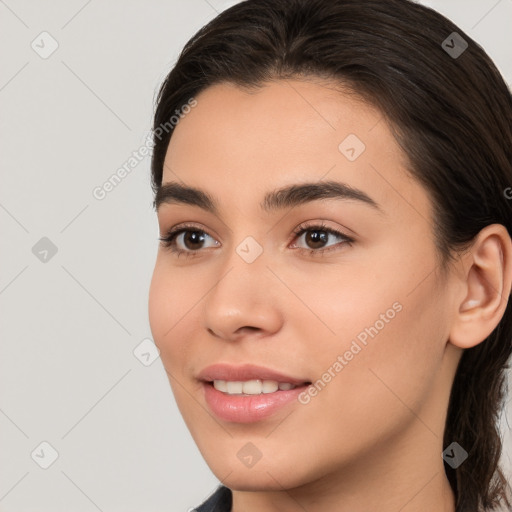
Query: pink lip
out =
(247, 408)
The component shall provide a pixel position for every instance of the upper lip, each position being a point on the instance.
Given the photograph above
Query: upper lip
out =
(221, 371)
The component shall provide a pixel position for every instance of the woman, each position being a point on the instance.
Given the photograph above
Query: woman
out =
(331, 293)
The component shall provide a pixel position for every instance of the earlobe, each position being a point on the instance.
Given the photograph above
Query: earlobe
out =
(487, 274)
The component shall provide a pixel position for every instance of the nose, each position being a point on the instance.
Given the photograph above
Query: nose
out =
(245, 301)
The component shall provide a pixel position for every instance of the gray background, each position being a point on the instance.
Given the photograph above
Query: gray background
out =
(70, 323)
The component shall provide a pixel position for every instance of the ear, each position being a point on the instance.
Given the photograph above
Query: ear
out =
(486, 284)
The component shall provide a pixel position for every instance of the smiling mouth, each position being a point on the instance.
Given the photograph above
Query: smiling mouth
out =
(250, 401)
(253, 386)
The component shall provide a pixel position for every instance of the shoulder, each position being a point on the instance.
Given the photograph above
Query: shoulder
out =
(219, 501)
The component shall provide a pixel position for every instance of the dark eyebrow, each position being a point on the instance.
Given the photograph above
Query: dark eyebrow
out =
(286, 197)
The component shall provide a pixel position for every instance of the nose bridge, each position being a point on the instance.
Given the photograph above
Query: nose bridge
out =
(246, 257)
(242, 277)
(240, 297)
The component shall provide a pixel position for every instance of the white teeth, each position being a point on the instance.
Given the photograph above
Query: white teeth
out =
(234, 387)
(269, 386)
(220, 385)
(251, 387)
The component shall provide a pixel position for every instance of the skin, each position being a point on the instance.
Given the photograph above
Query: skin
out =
(372, 438)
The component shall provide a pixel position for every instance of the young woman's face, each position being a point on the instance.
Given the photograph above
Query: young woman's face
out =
(362, 315)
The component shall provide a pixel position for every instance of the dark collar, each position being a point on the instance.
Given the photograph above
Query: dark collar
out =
(220, 501)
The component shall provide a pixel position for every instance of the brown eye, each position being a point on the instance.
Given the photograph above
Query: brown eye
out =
(193, 239)
(186, 240)
(316, 238)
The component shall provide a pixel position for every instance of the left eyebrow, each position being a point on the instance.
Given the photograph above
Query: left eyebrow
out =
(279, 199)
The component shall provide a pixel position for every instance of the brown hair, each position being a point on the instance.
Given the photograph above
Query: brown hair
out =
(451, 112)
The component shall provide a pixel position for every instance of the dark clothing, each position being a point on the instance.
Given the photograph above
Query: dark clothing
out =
(220, 501)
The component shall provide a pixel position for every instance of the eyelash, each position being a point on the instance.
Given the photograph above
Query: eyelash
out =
(169, 241)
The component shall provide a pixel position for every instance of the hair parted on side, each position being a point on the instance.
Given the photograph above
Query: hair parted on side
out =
(452, 117)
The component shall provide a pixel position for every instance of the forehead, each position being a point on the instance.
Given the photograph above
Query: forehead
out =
(240, 143)
(278, 113)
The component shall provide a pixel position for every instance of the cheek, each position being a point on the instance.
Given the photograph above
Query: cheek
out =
(390, 329)
(160, 305)
(390, 368)
(170, 306)
(331, 306)
(170, 302)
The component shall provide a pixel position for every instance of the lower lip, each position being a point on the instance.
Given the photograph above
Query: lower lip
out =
(248, 408)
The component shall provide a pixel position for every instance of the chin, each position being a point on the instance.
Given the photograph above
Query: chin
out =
(249, 482)
(261, 477)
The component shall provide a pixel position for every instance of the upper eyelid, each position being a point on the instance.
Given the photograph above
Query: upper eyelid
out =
(306, 225)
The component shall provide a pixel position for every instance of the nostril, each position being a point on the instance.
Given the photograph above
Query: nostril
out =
(248, 327)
